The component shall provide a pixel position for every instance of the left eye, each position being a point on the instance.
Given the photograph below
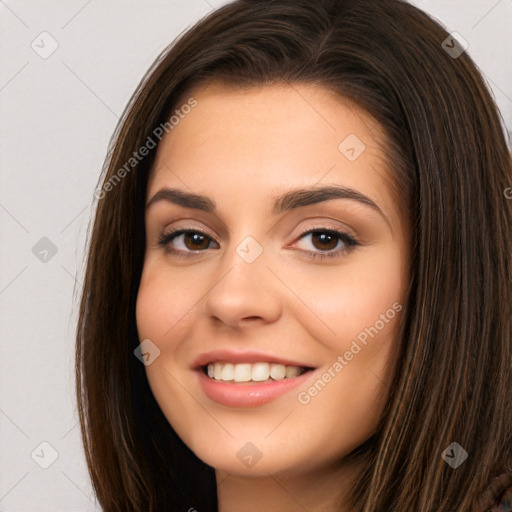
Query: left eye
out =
(328, 239)
(192, 240)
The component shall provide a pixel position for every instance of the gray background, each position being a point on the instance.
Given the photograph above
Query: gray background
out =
(57, 116)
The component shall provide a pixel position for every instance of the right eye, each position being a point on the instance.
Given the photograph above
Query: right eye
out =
(190, 240)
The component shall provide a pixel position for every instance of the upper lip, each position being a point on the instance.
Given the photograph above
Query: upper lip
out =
(248, 356)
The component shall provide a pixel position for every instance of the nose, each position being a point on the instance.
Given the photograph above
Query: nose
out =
(243, 293)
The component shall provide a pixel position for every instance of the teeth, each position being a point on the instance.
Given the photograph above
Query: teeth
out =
(242, 372)
(291, 371)
(245, 372)
(227, 372)
(278, 371)
(260, 372)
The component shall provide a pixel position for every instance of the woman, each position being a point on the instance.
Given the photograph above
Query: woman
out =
(298, 291)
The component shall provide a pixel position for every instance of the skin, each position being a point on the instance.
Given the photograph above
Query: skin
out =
(242, 148)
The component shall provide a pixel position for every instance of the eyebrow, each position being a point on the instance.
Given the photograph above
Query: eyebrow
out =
(290, 200)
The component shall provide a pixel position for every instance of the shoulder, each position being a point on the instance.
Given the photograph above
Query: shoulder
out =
(503, 502)
(497, 496)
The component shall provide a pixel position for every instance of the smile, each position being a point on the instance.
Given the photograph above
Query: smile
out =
(250, 393)
(252, 372)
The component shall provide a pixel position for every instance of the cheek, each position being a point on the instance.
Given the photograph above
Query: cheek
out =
(164, 303)
(354, 301)
(164, 312)
(151, 310)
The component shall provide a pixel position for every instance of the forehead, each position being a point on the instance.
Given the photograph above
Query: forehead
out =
(298, 131)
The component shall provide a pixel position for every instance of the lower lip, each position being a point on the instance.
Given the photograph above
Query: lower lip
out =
(248, 395)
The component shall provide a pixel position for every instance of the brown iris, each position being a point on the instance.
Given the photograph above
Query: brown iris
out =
(324, 237)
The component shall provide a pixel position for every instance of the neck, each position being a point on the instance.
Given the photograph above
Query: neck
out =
(322, 490)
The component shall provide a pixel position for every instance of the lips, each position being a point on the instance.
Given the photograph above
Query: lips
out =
(250, 394)
(231, 385)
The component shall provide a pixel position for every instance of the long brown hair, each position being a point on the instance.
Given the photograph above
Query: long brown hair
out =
(451, 168)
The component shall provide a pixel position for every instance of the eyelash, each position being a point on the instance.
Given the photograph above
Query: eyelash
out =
(166, 238)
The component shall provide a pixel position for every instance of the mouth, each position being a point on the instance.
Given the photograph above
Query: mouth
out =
(249, 378)
(243, 384)
(252, 373)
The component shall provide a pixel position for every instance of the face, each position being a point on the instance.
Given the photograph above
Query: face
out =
(289, 300)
